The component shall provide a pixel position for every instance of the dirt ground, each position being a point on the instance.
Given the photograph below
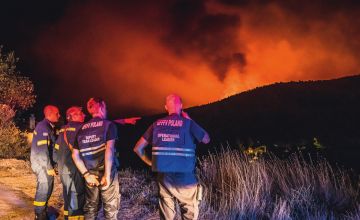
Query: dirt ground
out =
(17, 190)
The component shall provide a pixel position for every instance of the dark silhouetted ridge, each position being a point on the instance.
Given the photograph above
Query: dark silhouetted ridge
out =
(292, 113)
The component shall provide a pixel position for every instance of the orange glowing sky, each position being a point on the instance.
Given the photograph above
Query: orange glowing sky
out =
(134, 56)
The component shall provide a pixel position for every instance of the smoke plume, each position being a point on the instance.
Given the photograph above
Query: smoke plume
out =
(134, 53)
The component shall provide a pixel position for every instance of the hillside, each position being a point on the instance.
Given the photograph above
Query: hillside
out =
(280, 114)
(286, 111)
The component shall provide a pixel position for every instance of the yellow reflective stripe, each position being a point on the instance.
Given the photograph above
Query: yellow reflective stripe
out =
(35, 133)
(57, 147)
(51, 170)
(68, 129)
(42, 142)
(37, 203)
(66, 212)
(76, 217)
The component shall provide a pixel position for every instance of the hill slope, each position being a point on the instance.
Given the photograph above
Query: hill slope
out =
(287, 111)
(293, 112)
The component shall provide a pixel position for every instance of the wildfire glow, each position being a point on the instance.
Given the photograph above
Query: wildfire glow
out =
(134, 62)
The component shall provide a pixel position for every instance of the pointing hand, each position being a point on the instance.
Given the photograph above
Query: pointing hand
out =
(132, 120)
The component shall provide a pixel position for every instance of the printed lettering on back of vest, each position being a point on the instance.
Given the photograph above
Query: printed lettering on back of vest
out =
(169, 122)
(90, 139)
(93, 125)
(168, 137)
(169, 132)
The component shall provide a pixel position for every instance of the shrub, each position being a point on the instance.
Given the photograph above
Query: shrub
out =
(13, 142)
(16, 93)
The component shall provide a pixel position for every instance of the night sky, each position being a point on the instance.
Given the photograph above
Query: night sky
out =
(133, 53)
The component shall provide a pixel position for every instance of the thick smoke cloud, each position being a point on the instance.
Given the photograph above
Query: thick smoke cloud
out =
(212, 36)
(133, 53)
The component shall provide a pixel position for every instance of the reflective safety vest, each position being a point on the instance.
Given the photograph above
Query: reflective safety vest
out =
(62, 152)
(173, 147)
(91, 140)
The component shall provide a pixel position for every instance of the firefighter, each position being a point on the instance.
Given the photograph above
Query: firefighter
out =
(42, 163)
(72, 181)
(93, 155)
(173, 139)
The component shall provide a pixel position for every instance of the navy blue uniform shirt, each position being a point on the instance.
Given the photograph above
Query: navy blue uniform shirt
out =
(62, 153)
(188, 137)
(91, 141)
(42, 146)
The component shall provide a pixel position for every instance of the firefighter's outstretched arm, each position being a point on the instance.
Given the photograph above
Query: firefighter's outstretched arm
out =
(109, 160)
(91, 179)
(139, 149)
(131, 121)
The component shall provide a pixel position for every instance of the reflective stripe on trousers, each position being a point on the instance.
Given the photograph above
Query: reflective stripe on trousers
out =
(44, 188)
(188, 198)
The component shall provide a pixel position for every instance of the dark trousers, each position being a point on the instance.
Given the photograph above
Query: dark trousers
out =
(110, 198)
(44, 188)
(74, 194)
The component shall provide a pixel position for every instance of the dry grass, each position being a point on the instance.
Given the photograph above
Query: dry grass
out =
(138, 195)
(237, 188)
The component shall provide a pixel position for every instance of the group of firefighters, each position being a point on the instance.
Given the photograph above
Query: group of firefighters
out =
(85, 156)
